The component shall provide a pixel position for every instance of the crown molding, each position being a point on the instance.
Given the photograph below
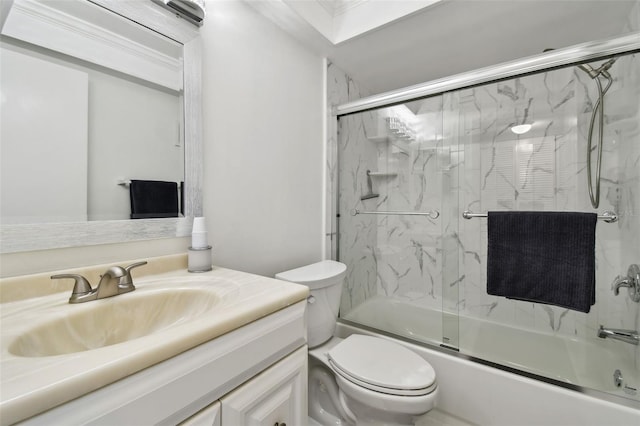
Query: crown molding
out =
(82, 36)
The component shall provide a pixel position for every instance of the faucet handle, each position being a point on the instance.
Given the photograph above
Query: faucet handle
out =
(631, 281)
(135, 265)
(127, 280)
(81, 286)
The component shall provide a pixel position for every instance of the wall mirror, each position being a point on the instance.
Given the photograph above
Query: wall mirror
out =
(101, 92)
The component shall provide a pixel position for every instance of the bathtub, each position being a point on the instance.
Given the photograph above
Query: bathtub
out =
(514, 393)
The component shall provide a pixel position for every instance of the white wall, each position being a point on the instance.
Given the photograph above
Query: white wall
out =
(263, 112)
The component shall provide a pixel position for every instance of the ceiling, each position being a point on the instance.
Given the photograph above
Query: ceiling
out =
(341, 20)
(398, 43)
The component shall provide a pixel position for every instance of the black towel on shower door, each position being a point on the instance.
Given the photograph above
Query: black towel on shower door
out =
(153, 199)
(543, 257)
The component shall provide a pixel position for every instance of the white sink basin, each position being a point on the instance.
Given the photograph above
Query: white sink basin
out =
(114, 320)
(52, 351)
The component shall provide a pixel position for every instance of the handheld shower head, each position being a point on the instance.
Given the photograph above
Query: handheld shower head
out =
(598, 110)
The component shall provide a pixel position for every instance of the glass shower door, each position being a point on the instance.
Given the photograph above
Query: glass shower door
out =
(524, 143)
(394, 168)
(418, 269)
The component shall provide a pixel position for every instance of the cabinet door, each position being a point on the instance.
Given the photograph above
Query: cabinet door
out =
(278, 395)
(208, 416)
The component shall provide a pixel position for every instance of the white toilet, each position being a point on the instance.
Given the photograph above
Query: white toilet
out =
(360, 380)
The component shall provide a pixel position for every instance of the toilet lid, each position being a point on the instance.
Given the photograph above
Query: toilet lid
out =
(382, 366)
(317, 275)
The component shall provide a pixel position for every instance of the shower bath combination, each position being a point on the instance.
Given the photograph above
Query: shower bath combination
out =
(423, 279)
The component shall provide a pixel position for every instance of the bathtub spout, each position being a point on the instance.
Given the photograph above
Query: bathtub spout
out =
(628, 336)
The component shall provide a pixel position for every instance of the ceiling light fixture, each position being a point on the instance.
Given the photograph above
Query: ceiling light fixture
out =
(521, 129)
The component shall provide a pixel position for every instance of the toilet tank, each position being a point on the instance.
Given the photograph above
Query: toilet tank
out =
(324, 280)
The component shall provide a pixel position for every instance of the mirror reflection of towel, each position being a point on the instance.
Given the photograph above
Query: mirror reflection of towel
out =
(153, 199)
(543, 257)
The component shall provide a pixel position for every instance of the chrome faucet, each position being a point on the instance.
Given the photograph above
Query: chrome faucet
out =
(108, 285)
(116, 280)
(627, 336)
(631, 281)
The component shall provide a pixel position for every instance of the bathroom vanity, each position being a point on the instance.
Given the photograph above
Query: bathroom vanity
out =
(222, 347)
(181, 347)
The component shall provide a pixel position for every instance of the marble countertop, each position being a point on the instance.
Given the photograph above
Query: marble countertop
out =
(33, 384)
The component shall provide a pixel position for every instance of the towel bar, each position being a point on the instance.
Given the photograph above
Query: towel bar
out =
(608, 216)
(433, 214)
(127, 183)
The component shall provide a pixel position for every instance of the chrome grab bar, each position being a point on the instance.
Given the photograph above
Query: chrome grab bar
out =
(608, 216)
(433, 214)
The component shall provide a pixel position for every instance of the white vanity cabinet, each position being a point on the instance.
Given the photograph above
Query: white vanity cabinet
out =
(209, 416)
(277, 396)
(253, 375)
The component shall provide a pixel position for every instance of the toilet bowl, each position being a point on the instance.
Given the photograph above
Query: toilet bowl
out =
(360, 379)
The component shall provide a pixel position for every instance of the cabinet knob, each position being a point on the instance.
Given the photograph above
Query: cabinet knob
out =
(280, 424)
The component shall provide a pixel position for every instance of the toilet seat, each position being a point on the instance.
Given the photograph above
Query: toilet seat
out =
(365, 361)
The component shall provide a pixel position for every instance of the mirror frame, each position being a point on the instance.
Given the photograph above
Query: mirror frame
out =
(45, 236)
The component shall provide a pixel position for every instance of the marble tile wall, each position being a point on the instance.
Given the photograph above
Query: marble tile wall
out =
(359, 241)
(408, 246)
(464, 156)
(392, 254)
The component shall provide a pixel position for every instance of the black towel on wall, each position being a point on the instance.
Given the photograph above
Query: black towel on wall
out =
(182, 198)
(153, 199)
(543, 257)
